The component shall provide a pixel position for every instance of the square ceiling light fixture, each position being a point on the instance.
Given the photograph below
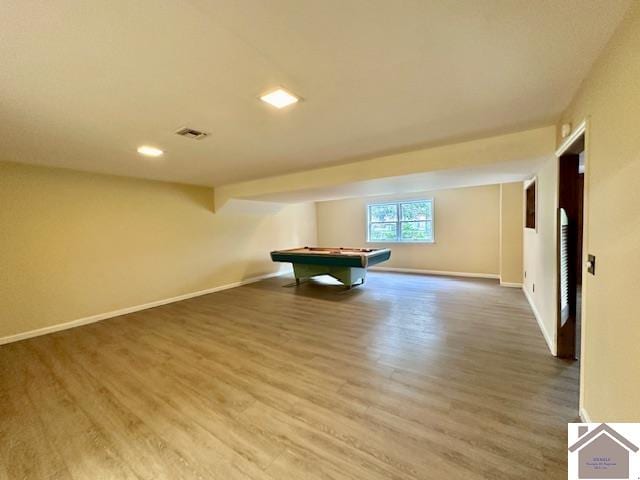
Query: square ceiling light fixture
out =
(148, 151)
(279, 98)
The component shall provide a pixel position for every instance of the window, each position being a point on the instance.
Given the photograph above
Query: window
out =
(400, 222)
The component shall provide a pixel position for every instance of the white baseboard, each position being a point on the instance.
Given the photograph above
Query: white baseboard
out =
(123, 311)
(545, 334)
(436, 272)
(584, 416)
(510, 284)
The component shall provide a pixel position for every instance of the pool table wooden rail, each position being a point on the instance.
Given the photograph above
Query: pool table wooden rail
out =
(346, 257)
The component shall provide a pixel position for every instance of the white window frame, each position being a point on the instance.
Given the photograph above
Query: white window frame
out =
(399, 222)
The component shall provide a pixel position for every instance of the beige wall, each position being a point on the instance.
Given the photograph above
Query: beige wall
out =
(511, 225)
(610, 99)
(540, 252)
(466, 230)
(74, 244)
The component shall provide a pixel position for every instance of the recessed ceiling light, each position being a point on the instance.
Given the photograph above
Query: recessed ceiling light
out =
(149, 151)
(279, 98)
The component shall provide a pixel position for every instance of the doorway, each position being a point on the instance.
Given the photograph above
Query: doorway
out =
(570, 227)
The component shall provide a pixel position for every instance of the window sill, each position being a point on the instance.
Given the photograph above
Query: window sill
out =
(407, 242)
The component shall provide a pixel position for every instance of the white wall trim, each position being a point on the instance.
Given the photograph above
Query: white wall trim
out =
(528, 182)
(123, 311)
(584, 416)
(567, 142)
(510, 284)
(437, 272)
(545, 334)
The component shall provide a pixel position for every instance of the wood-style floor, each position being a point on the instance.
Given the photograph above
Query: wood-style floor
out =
(409, 377)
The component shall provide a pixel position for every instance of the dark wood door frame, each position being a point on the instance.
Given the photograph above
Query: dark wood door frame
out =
(571, 203)
(567, 234)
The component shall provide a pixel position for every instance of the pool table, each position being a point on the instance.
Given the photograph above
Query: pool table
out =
(347, 265)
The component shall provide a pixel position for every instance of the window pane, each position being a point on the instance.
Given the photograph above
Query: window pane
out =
(383, 232)
(416, 211)
(383, 213)
(414, 230)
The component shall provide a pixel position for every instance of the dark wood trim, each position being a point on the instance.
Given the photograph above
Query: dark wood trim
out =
(568, 189)
(580, 228)
(530, 210)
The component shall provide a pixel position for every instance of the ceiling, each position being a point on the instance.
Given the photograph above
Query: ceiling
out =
(83, 84)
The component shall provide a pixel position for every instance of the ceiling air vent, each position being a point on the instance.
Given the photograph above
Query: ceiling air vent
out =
(191, 133)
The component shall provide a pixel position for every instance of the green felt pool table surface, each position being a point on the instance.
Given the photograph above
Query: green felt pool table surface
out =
(347, 265)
